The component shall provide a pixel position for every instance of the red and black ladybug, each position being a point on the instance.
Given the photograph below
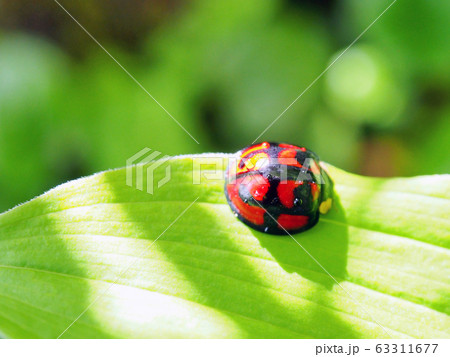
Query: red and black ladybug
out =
(278, 188)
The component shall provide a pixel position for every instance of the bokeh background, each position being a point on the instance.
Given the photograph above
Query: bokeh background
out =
(225, 70)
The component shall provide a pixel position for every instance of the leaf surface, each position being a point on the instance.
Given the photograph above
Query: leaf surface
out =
(385, 243)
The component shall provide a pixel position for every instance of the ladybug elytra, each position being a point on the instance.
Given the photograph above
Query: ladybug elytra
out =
(278, 188)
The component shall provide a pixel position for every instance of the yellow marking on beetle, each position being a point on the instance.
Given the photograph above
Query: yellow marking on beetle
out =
(325, 206)
(257, 161)
(264, 145)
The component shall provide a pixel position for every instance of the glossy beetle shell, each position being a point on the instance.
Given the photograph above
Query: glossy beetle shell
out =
(278, 188)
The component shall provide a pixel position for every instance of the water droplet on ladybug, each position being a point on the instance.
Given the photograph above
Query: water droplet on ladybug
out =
(266, 229)
(297, 201)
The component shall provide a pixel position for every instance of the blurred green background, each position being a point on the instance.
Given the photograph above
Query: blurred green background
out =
(225, 70)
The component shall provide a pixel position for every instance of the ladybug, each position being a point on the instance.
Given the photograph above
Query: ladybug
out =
(277, 188)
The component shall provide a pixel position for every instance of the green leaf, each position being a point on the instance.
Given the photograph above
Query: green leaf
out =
(386, 242)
